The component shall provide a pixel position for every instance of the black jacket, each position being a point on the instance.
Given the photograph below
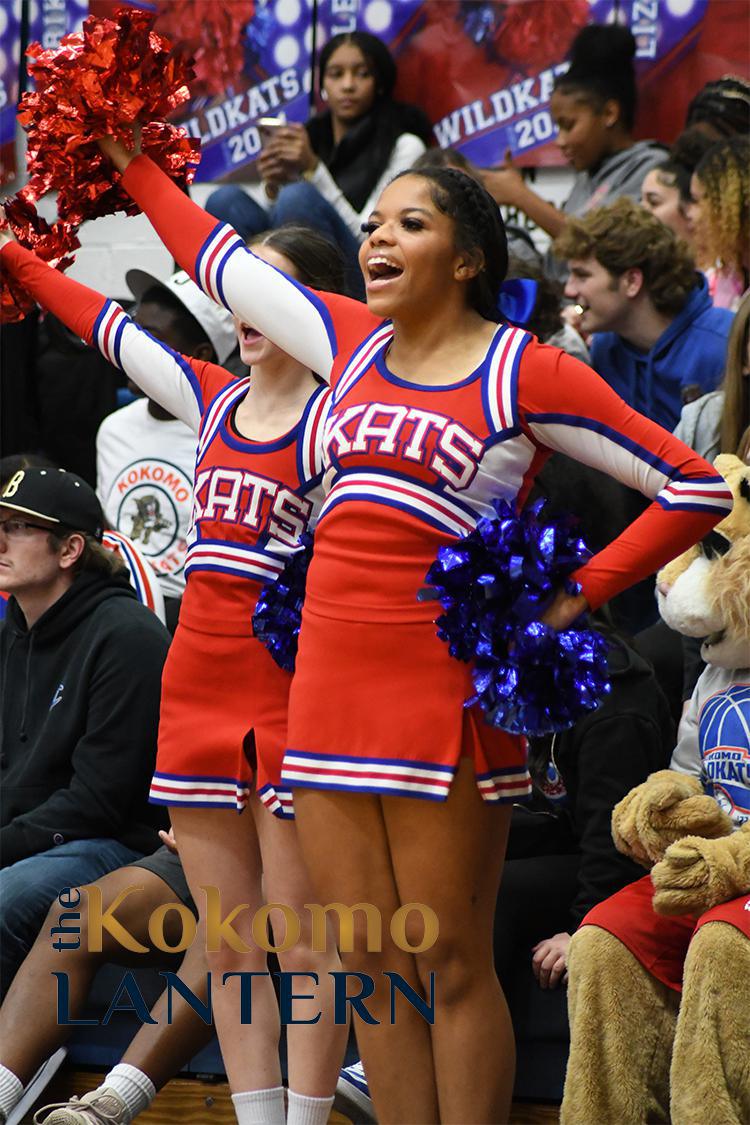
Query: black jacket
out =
(79, 699)
(599, 760)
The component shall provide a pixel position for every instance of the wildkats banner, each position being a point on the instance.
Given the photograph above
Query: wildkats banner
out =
(483, 71)
(10, 50)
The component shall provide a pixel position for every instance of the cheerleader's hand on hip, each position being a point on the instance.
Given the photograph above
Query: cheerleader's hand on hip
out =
(564, 610)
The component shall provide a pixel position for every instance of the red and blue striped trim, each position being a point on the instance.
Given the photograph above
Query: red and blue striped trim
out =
(428, 505)
(197, 792)
(277, 800)
(108, 329)
(397, 777)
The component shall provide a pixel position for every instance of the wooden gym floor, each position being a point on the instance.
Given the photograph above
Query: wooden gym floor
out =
(187, 1101)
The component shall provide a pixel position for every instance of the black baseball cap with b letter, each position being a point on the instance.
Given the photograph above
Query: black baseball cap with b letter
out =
(56, 496)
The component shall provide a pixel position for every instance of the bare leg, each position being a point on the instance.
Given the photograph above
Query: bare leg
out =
(315, 1051)
(344, 841)
(161, 1050)
(456, 870)
(710, 1078)
(29, 1031)
(622, 1023)
(219, 849)
(392, 851)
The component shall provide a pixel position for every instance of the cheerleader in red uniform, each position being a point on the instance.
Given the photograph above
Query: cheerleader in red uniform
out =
(402, 795)
(222, 731)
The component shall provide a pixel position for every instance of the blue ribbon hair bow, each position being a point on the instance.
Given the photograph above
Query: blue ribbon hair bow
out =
(516, 300)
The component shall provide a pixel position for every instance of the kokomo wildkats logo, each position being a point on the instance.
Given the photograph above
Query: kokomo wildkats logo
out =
(153, 499)
(725, 750)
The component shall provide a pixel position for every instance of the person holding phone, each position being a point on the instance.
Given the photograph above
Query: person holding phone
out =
(328, 173)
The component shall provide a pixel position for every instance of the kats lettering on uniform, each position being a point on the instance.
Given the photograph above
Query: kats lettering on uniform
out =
(230, 495)
(424, 436)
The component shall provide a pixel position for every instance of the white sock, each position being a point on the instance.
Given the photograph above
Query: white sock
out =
(134, 1087)
(11, 1089)
(304, 1110)
(260, 1107)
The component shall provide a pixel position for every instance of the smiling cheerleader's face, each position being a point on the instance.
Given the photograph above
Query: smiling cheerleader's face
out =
(409, 256)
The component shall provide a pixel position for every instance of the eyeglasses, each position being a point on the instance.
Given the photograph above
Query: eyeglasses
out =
(19, 529)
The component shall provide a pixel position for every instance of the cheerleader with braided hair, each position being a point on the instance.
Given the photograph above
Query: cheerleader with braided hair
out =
(402, 794)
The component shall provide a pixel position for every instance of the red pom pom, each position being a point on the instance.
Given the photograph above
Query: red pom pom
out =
(212, 32)
(533, 32)
(100, 82)
(53, 244)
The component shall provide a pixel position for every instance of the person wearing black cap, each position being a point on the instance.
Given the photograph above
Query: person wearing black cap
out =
(80, 673)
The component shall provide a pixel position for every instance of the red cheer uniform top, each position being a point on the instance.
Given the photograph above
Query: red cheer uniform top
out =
(413, 466)
(252, 500)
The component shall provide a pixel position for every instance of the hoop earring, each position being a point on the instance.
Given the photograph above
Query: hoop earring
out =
(323, 95)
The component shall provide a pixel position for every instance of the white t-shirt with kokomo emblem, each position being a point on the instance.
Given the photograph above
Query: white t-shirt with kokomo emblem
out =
(145, 483)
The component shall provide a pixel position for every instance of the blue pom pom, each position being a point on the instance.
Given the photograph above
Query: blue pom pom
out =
(278, 612)
(494, 585)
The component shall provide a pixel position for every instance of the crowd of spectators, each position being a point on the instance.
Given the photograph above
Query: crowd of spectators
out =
(647, 278)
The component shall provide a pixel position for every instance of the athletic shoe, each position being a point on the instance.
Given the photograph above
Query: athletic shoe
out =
(100, 1107)
(353, 1096)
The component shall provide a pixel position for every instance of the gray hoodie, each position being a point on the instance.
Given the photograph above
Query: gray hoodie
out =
(619, 175)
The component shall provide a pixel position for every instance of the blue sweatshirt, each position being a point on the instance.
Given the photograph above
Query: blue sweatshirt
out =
(692, 350)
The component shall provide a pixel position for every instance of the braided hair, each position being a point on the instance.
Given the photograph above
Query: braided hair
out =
(724, 105)
(479, 231)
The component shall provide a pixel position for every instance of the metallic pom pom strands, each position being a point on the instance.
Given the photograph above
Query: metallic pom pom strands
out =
(494, 584)
(278, 612)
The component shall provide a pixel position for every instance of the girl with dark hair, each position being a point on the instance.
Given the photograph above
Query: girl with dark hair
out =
(594, 105)
(665, 191)
(329, 172)
(721, 108)
(402, 794)
(222, 730)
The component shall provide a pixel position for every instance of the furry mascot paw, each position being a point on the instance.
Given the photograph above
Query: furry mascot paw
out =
(661, 810)
(697, 874)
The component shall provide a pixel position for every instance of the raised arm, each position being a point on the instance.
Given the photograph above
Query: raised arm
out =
(297, 319)
(165, 376)
(566, 406)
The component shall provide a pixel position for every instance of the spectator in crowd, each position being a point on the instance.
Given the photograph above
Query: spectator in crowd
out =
(30, 1033)
(546, 321)
(329, 172)
(142, 576)
(665, 191)
(81, 665)
(712, 424)
(657, 339)
(562, 862)
(146, 456)
(594, 105)
(76, 388)
(721, 108)
(715, 422)
(719, 217)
